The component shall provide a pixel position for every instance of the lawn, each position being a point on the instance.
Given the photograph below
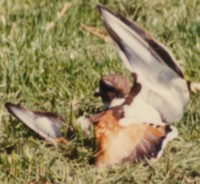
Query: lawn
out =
(48, 62)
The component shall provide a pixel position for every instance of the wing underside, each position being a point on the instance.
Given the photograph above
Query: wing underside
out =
(47, 124)
(161, 78)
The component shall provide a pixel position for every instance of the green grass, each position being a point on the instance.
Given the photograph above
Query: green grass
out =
(52, 69)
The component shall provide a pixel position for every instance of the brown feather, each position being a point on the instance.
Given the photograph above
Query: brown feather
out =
(117, 144)
(113, 86)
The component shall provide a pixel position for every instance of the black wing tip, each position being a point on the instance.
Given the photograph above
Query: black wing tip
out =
(101, 8)
(9, 106)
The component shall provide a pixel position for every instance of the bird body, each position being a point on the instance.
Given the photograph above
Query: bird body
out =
(140, 111)
(123, 137)
(117, 144)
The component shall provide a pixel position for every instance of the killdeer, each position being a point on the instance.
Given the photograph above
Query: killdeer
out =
(133, 124)
(117, 144)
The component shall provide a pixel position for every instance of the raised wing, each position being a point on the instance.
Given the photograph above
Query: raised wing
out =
(163, 84)
(47, 124)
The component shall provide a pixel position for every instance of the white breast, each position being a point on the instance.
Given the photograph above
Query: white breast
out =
(140, 111)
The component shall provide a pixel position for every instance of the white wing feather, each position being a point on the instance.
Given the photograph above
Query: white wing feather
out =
(163, 84)
(47, 125)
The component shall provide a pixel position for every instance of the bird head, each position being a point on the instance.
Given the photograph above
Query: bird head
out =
(113, 89)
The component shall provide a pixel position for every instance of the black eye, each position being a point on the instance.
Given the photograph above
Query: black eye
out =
(119, 95)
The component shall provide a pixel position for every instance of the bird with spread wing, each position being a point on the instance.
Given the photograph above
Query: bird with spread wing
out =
(136, 121)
